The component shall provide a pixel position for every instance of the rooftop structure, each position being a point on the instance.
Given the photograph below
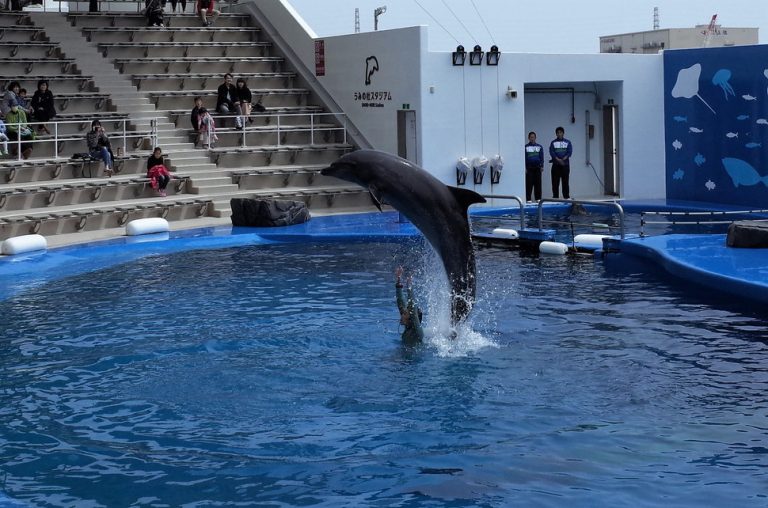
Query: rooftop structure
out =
(653, 41)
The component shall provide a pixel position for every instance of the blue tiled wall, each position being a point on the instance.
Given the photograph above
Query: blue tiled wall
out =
(716, 125)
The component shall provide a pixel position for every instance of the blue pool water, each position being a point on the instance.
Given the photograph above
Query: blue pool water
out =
(273, 375)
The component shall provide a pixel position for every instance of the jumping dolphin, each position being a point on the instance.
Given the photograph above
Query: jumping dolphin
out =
(439, 211)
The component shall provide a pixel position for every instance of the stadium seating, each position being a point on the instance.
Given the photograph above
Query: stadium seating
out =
(279, 153)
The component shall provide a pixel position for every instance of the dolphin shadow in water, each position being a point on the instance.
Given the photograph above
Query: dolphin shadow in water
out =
(437, 210)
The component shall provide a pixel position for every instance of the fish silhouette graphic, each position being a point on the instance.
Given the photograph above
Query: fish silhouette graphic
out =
(678, 118)
(742, 173)
(696, 130)
(699, 159)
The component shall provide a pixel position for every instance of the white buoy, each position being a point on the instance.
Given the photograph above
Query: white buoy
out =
(556, 248)
(506, 233)
(591, 242)
(24, 243)
(146, 226)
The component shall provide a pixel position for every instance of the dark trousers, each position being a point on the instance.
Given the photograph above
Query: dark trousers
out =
(13, 136)
(162, 181)
(183, 5)
(533, 182)
(561, 174)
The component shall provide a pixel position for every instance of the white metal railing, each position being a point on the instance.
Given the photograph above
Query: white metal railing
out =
(520, 203)
(619, 209)
(116, 6)
(121, 134)
(706, 222)
(338, 123)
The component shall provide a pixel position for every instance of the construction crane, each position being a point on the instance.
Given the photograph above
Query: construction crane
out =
(709, 31)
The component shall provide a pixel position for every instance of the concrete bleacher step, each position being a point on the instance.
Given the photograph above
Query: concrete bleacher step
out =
(136, 20)
(285, 166)
(144, 34)
(206, 188)
(317, 199)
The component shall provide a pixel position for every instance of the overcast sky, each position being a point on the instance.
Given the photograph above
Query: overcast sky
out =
(535, 26)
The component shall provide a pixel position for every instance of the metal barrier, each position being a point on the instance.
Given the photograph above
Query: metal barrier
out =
(612, 204)
(340, 119)
(122, 135)
(515, 198)
(116, 6)
(643, 222)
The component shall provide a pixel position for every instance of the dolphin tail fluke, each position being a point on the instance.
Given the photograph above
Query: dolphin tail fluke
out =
(466, 197)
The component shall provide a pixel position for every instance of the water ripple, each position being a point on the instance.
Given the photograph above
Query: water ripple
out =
(275, 376)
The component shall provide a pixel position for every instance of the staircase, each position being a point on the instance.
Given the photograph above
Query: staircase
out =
(125, 98)
(146, 75)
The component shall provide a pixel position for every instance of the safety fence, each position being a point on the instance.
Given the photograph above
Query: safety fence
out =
(320, 125)
(123, 138)
(698, 218)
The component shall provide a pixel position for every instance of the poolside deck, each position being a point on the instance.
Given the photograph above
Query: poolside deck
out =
(707, 261)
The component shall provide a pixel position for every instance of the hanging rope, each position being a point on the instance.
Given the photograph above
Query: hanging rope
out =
(459, 20)
(483, 21)
(436, 21)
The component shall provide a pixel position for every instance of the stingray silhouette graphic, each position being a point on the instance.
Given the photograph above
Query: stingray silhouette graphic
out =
(371, 66)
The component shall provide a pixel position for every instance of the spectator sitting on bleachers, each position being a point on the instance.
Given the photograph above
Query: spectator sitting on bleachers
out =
(206, 129)
(9, 96)
(154, 13)
(195, 116)
(183, 5)
(3, 139)
(24, 102)
(18, 130)
(227, 101)
(158, 174)
(206, 8)
(99, 146)
(244, 97)
(42, 105)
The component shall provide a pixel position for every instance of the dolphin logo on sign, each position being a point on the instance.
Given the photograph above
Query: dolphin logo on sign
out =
(371, 66)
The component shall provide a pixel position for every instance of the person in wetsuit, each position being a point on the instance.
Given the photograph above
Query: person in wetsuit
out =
(410, 313)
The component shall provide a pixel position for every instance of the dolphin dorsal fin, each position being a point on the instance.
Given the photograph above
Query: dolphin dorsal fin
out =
(466, 197)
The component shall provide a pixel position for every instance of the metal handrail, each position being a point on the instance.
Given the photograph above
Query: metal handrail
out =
(713, 212)
(708, 213)
(613, 204)
(280, 126)
(519, 202)
(123, 134)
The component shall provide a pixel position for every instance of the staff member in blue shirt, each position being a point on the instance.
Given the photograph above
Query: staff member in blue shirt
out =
(560, 149)
(534, 166)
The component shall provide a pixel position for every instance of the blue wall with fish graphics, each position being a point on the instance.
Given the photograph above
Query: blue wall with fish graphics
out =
(716, 125)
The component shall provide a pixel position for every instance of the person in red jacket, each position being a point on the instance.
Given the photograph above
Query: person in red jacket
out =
(206, 8)
(158, 174)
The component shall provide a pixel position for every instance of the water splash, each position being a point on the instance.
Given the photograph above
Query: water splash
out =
(434, 295)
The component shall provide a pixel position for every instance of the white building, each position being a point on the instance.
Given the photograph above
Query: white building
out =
(654, 41)
(416, 103)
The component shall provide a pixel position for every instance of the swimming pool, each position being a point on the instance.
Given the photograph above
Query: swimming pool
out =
(273, 375)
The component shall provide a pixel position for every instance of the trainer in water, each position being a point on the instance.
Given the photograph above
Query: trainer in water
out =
(437, 210)
(410, 313)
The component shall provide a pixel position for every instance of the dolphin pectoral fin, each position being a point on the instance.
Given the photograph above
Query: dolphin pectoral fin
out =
(466, 197)
(375, 197)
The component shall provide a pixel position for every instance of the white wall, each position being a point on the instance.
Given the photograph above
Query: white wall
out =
(373, 108)
(486, 112)
(463, 111)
